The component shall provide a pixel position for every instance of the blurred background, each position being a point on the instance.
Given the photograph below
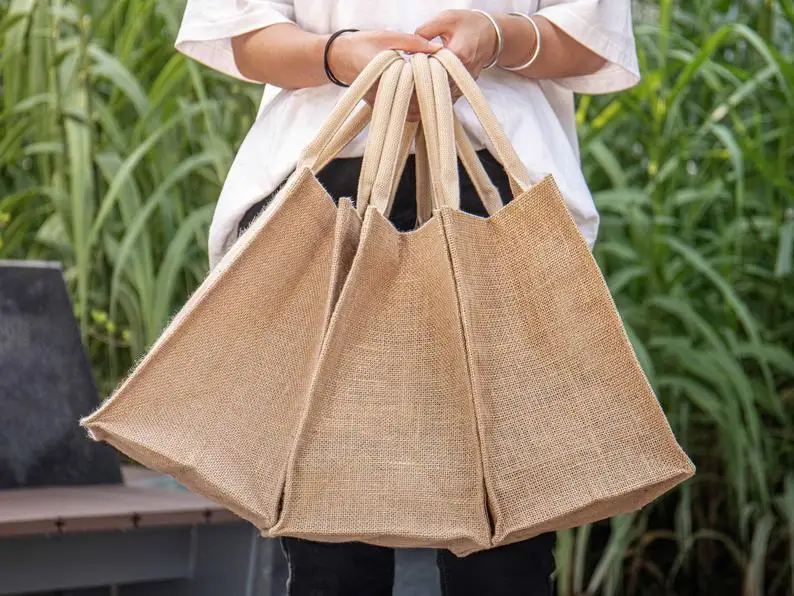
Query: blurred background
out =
(113, 149)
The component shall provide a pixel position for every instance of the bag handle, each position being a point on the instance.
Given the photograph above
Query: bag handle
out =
(383, 141)
(381, 130)
(395, 150)
(398, 142)
(424, 187)
(391, 167)
(488, 193)
(514, 167)
(314, 152)
(520, 179)
(442, 166)
(349, 131)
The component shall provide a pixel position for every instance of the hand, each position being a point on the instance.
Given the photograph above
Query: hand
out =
(351, 52)
(467, 34)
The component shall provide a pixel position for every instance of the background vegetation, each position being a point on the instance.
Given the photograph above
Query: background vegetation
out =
(113, 149)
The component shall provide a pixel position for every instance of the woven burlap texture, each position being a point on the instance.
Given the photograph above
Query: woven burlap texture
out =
(462, 385)
(566, 426)
(216, 401)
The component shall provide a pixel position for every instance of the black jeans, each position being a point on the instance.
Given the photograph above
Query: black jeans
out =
(357, 569)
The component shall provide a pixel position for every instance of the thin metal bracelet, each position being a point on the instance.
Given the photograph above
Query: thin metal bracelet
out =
(536, 53)
(500, 44)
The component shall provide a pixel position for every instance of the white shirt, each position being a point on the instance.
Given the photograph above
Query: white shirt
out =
(537, 115)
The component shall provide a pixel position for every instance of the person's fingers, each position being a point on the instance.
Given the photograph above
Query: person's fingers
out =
(409, 42)
(439, 26)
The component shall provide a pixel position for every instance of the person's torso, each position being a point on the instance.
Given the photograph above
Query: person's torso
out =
(517, 101)
(537, 116)
(326, 16)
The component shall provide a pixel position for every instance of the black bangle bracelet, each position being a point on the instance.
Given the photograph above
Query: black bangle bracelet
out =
(331, 76)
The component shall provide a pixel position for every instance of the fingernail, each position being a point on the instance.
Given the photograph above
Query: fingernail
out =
(436, 46)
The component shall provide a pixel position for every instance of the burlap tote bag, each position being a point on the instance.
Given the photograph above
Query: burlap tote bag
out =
(570, 429)
(387, 450)
(475, 386)
(217, 399)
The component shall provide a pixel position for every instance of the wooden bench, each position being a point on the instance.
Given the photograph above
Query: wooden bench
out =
(143, 541)
(132, 539)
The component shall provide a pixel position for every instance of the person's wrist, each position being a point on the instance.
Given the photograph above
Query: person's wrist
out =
(521, 40)
(496, 43)
(337, 57)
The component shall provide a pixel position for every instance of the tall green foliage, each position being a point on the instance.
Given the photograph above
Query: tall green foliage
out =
(113, 149)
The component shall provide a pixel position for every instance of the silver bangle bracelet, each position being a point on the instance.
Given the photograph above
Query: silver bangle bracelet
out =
(499, 39)
(535, 54)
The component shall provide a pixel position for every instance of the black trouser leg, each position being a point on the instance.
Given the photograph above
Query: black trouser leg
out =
(520, 569)
(343, 569)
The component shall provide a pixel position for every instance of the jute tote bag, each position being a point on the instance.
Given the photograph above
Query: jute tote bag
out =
(216, 401)
(475, 386)
(387, 450)
(570, 429)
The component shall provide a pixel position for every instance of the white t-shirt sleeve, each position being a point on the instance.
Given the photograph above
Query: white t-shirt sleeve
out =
(603, 26)
(209, 25)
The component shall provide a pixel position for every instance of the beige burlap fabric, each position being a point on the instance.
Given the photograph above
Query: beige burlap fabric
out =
(463, 385)
(571, 430)
(387, 450)
(475, 386)
(216, 401)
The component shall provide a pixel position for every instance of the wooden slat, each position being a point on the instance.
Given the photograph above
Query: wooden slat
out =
(92, 508)
(140, 476)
